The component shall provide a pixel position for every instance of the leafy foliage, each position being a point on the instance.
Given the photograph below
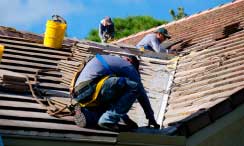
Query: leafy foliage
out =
(181, 13)
(127, 26)
(93, 35)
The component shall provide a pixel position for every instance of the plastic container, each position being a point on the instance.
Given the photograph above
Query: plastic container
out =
(1, 52)
(54, 34)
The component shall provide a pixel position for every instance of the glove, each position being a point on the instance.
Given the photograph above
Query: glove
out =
(153, 123)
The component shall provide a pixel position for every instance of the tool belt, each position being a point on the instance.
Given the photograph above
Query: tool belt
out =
(86, 93)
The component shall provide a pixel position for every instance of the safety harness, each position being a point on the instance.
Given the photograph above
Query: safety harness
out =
(61, 109)
(86, 100)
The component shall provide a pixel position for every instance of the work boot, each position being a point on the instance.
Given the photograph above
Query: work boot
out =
(130, 123)
(125, 125)
(109, 126)
(117, 127)
(79, 117)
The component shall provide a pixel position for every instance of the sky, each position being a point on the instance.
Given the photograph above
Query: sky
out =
(84, 15)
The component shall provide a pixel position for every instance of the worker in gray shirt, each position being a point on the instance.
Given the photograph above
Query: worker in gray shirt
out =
(152, 41)
(119, 91)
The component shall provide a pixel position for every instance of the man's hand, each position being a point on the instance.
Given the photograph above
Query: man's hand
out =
(153, 123)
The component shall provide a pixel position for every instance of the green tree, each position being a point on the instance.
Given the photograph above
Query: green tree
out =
(127, 26)
(93, 35)
(181, 13)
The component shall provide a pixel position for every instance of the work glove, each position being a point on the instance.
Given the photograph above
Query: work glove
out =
(152, 123)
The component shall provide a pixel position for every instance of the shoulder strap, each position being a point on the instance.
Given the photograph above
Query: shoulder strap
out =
(104, 63)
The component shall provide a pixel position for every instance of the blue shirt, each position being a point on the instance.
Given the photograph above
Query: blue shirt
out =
(151, 42)
(121, 68)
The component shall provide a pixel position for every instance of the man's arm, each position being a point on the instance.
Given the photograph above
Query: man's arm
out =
(146, 105)
(142, 98)
(155, 45)
(100, 31)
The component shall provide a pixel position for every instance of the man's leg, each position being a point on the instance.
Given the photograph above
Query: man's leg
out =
(85, 117)
(120, 105)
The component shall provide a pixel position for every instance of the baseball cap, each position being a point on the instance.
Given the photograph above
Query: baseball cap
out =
(164, 32)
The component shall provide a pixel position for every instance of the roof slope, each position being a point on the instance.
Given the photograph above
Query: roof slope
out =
(210, 68)
(52, 70)
(20, 113)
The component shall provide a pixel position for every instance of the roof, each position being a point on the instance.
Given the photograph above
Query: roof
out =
(20, 113)
(208, 72)
(51, 71)
(210, 67)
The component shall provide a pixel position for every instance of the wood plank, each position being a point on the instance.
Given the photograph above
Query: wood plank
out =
(26, 114)
(33, 40)
(37, 49)
(27, 63)
(49, 79)
(32, 59)
(17, 97)
(21, 43)
(51, 127)
(17, 104)
(10, 73)
(33, 54)
(54, 86)
(12, 78)
(34, 116)
(68, 68)
(28, 70)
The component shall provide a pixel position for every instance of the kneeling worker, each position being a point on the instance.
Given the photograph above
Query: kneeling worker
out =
(120, 85)
(106, 30)
(152, 41)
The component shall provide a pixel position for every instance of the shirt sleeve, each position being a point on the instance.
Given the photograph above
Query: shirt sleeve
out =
(143, 99)
(162, 49)
(100, 31)
(155, 45)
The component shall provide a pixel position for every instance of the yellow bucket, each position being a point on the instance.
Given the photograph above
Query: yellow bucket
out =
(1, 52)
(54, 34)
